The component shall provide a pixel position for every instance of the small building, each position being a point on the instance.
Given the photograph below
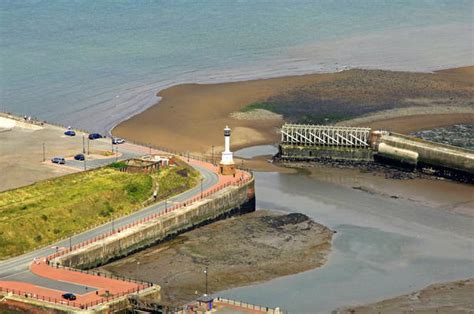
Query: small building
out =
(206, 301)
(164, 161)
(136, 165)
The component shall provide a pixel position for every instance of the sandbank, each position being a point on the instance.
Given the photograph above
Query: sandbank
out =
(190, 117)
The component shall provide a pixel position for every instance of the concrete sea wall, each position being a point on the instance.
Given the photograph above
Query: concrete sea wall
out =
(232, 200)
(431, 154)
(317, 153)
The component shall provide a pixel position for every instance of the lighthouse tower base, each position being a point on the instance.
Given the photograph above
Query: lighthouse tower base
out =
(227, 166)
(227, 169)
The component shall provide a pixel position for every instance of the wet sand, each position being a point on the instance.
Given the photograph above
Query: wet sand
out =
(238, 251)
(443, 195)
(190, 117)
(450, 297)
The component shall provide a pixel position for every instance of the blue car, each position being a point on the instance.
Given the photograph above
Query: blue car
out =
(69, 296)
(70, 133)
(79, 157)
(94, 136)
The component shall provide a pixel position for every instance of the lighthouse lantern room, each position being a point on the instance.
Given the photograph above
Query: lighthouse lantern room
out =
(227, 165)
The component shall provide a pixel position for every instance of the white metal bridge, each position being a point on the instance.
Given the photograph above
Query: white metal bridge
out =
(322, 135)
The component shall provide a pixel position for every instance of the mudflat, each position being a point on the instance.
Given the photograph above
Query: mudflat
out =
(238, 251)
(190, 117)
(449, 297)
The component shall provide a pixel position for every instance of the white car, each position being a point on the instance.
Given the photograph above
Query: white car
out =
(117, 140)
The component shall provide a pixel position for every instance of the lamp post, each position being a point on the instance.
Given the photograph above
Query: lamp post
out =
(212, 154)
(205, 272)
(202, 179)
(88, 146)
(138, 288)
(83, 144)
(44, 153)
(85, 166)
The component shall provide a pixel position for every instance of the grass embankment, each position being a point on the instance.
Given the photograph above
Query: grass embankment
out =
(46, 211)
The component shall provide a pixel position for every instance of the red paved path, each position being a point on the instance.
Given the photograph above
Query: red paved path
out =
(114, 286)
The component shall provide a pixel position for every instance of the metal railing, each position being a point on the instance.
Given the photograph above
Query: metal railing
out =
(141, 284)
(239, 182)
(64, 302)
(264, 309)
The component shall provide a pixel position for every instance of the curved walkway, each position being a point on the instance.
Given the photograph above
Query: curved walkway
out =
(29, 274)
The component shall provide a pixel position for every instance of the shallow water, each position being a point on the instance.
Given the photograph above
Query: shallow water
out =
(383, 247)
(254, 151)
(90, 63)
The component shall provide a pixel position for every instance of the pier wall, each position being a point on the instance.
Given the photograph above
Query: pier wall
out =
(430, 154)
(233, 200)
(318, 153)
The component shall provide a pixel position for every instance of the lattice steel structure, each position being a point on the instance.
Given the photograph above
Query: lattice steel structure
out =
(322, 135)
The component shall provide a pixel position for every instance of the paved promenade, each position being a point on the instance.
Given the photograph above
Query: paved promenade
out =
(30, 275)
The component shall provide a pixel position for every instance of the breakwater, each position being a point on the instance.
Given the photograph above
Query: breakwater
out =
(308, 143)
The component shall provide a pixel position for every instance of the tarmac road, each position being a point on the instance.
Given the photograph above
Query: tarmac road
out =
(17, 268)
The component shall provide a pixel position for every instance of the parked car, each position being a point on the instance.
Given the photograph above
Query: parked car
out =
(79, 157)
(94, 136)
(70, 133)
(58, 160)
(117, 140)
(69, 296)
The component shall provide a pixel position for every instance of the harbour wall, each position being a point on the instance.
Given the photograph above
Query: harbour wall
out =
(390, 148)
(232, 200)
(426, 153)
(321, 153)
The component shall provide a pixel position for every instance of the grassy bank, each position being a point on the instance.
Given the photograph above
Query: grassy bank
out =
(46, 211)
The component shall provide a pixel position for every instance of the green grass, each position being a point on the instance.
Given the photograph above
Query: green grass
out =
(46, 211)
(260, 105)
(297, 112)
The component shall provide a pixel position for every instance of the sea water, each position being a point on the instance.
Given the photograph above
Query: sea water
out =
(91, 64)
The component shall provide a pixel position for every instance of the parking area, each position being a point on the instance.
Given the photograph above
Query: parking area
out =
(26, 151)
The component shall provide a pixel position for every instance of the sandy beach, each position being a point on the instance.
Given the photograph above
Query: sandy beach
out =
(190, 117)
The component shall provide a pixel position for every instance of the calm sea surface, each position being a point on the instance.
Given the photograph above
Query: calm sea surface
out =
(90, 63)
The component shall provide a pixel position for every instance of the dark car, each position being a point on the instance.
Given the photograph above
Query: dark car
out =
(79, 157)
(117, 140)
(70, 133)
(94, 136)
(58, 160)
(69, 296)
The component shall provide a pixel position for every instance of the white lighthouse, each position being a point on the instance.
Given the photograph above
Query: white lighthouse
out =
(227, 166)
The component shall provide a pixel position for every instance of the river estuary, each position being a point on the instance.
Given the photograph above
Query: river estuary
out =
(384, 246)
